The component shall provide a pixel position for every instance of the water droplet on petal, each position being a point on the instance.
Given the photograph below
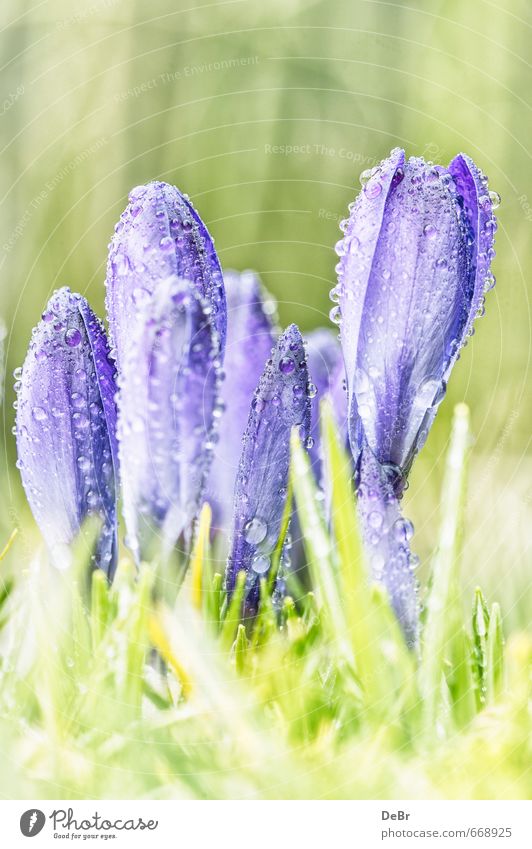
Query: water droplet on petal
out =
(286, 365)
(495, 199)
(373, 189)
(39, 414)
(255, 531)
(260, 564)
(73, 337)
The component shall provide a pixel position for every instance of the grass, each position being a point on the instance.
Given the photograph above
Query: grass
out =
(123, 691)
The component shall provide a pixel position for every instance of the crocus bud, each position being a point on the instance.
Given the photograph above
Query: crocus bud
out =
(413, 272)
(159, 235)
(281, 402)
(167, 403)
(65, 429)
(250, 338)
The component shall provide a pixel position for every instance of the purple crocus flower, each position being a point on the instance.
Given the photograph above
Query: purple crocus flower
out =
(280, 403)
(167, 405)
(65, 428)
(250, 338)
(413, 272)
(159, 235)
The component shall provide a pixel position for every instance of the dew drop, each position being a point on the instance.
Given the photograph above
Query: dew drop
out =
(335, 315)
(373, 189)
(166, 243)
(39, 414)
(495, 199)
(286, 365)
(73, 337)
(260, 564)
(255, 531)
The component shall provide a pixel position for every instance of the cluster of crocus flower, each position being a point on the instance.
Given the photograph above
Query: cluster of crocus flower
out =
(197, 393)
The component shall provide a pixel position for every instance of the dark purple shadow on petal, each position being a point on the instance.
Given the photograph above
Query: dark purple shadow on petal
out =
(281, 402)
(250, 338)
(472, 186)
(159, 235)
(167, 409)
(65, 428)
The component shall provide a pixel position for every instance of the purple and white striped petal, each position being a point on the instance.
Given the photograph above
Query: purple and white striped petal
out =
(169, 389)
(250, 338)
(159, 235)
(281, 402)
(65, 428)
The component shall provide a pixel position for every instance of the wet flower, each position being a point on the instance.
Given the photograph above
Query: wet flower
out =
(413, 273)
(281, 402)
(65, 428)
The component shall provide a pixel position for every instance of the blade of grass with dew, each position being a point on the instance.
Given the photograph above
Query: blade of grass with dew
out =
(319, 548)
(233, 614)
(479, 627)
(443, 636)
(494, 656)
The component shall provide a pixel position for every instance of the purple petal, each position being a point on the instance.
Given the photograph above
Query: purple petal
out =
(386, 534)
(250, 338)
(159, 235)
(326, 372)
(167, 403)
(281, 402)
(66, 422)
(478, 203)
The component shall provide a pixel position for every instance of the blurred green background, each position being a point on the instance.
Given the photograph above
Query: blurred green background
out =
(98, 96)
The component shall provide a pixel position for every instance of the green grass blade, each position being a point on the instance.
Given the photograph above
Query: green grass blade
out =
(479, 626)
(443, 639)
(495, 655)
(319, 547)
(234, 613)
(364, 623)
